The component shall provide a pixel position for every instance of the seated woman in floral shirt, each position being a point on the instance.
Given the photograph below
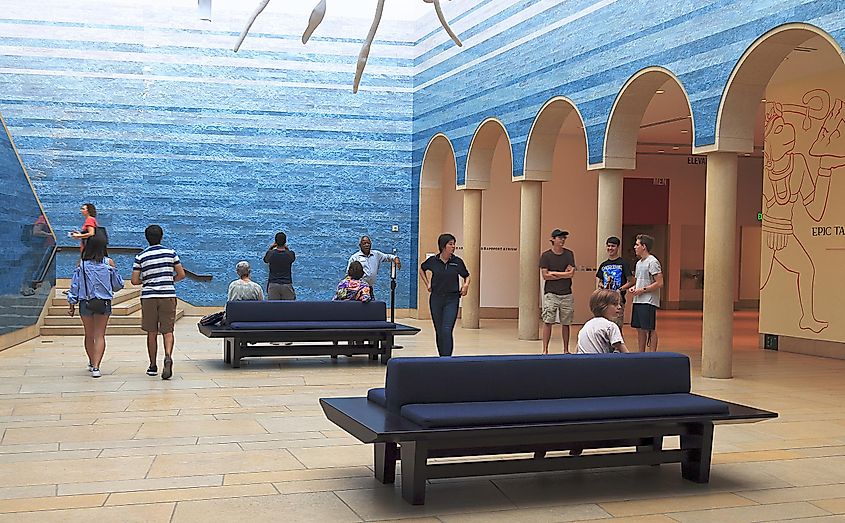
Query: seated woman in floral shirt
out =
(353, 287)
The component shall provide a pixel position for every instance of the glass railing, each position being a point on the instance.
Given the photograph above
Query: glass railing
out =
(27, 243)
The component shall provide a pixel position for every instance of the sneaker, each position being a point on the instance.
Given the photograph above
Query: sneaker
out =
(152, 371)
(95, 372)
(168, 369)
(90, 367)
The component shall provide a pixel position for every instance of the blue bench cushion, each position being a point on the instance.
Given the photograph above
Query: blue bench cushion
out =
(310, 325)
(531, 377)
(471, 414)
(304, 311)
(377, 397)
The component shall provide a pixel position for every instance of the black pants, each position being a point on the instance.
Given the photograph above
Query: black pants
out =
(444, 313)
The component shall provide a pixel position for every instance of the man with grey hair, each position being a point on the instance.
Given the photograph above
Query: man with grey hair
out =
(371, 260)
(243, 288)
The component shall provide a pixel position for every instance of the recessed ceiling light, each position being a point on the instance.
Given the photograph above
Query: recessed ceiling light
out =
(747, 154)
(675, 147)
(684, 130)
(661, 151)
(660, 91)
(763, 100)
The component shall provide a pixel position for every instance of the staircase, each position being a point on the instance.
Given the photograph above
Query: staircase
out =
(125, 313)
(20, 310)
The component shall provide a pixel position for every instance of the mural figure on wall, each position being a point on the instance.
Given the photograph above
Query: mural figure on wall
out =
(789, 180)
(320, 11)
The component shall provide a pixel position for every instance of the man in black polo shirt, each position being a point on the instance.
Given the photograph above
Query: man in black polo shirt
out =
(445, 289)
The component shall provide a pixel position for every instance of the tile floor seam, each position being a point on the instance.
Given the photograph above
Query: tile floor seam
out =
(813, 503)
(334, 493)
(150, 468)
(300, 461)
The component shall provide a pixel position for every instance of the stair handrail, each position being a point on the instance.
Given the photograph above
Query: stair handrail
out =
(44, 267)
(135, 250)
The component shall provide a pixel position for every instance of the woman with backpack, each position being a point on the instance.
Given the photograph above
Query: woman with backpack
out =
(92, 287)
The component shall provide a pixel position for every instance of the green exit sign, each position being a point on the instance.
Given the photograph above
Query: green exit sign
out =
(759, 217)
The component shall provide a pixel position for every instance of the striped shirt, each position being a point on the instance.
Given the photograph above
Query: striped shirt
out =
(156, 264)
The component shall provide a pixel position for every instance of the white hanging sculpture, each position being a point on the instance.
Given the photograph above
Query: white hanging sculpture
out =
(320, 11)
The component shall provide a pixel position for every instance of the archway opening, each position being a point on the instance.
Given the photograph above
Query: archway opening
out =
(440, 206)
(650, 135)
(490, 167)
(557, 148)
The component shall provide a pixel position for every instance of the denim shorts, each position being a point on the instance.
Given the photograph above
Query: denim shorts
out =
(85, 311)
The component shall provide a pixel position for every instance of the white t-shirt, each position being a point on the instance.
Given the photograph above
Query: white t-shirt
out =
(645, 272)
(597, 336)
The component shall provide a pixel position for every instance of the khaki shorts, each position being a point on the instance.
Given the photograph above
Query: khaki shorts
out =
(554, 303)
(158, 314)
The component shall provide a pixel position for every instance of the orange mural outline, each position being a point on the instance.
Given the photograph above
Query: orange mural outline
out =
(788, 180)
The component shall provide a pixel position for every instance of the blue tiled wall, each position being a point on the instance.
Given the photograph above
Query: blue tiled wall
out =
(586, 50)
(147, 113)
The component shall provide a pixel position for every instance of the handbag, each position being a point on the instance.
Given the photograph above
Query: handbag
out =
(95, 305)
(213, 319)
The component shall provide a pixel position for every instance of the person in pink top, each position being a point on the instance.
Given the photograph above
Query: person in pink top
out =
(89, 212)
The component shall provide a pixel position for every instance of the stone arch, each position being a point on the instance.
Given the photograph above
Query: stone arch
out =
(542, 138)
(438, 167)
(480, 153)
(626, 115)
(746, 86)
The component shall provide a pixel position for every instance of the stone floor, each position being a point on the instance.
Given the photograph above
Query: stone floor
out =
(222, 444)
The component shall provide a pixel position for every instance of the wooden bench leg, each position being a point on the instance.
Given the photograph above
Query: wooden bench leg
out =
(654, 444)
(414, 455)
(385, 356)
(385, 462)
(385, 348)
(236, 353)
(699, 446)
(227, 358)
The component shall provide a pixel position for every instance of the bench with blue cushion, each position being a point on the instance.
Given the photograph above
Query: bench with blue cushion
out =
(494, 405)
(252, 327)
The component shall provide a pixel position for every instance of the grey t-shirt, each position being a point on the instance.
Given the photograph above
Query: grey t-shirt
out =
(240, 290)
(598, 335)
(645, 272)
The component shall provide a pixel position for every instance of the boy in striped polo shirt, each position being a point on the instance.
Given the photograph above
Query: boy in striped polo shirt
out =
(157, 268)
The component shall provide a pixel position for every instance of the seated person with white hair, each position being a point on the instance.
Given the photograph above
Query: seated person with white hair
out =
(244, 289)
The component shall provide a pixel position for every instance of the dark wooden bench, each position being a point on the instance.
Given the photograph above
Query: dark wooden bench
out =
(633, 422)
(332, 328)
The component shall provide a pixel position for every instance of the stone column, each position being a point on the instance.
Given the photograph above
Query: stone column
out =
(530, 205)
(719, 257)
(471, 303)
(609, 221)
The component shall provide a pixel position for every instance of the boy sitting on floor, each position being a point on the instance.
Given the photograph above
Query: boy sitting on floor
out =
(601, 334)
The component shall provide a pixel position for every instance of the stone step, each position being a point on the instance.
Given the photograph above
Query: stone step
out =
(59, 298)
(69, 330)
(117, 309)
(129, 319)
(118, 325)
